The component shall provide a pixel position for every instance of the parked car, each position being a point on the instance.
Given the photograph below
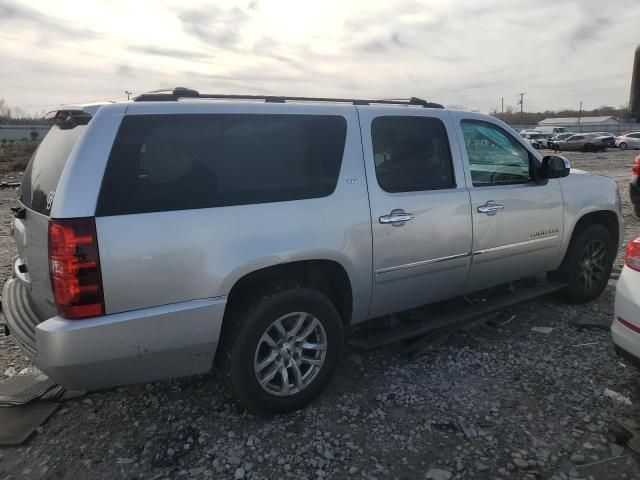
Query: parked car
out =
(634, 186)
(608, 138)
(552, 130)
(558, 137)
(535, 139)
(625, 329)
(583, 142)
(628, 140)
(158, 235)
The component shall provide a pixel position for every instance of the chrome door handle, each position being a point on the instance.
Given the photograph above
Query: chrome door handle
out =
(490, 208)
(397, 218)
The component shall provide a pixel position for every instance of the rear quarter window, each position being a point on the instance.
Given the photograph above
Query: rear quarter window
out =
(45, 168)
(180, 162)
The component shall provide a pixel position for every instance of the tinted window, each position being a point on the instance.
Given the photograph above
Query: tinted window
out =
(411, 154)
(43, 172)
(179, 162)
(495, 157)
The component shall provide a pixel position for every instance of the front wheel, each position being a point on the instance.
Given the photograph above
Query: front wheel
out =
(587, 264)
(623, 146)
(283, 350)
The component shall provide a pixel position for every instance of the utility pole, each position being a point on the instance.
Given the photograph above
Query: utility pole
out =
(502, 110)
(128, 94)
(521, 103)
(580, 112)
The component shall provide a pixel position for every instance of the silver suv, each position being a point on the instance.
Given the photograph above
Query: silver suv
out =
(157, 236)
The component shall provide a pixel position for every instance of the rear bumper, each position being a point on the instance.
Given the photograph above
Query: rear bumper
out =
(131, 347)
(634, 193)
(20, 315)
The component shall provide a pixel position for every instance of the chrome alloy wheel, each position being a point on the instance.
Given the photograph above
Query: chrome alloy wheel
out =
(290, 354)
(592, 264)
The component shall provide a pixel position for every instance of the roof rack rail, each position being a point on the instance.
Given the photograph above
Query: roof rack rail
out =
(181, 92)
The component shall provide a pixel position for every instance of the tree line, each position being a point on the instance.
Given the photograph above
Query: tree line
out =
(17, 116)
(512, 114)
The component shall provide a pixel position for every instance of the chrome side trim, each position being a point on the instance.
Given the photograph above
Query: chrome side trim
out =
(422, 263)
(514, 245)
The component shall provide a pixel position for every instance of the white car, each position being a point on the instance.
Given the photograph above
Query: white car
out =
(628, 140)
(535, 139)
(625, 330)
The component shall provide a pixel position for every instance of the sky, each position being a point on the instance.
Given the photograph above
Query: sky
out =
(464, 54)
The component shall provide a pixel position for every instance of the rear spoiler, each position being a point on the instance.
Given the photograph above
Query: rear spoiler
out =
(70, 116)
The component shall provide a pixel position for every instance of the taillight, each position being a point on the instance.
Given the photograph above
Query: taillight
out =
(633, 254)
(74, 267)
(635, 170)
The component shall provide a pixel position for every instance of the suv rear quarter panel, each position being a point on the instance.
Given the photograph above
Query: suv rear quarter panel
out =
(152, 259)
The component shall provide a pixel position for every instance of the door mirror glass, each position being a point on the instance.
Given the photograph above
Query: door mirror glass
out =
(555, 166)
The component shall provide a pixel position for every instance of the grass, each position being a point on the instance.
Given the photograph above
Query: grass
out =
(15, 155)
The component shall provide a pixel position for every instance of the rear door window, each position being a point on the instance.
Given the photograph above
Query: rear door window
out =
(179, 162)
(45, 168)
(411, 154)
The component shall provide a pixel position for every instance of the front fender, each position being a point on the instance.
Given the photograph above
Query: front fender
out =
(583, 194)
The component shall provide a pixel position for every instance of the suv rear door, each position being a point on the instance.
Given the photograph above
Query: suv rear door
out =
(420, 211)
(517, 223)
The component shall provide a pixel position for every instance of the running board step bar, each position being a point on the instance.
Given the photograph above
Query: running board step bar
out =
(454, 319)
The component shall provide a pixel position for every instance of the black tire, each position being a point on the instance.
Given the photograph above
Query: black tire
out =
(623, 146)
(586, 278)
(237, 349)
(636, 209)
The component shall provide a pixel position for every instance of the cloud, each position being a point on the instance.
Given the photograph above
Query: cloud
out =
(214, 25)
(465, 53)
(392, 40)
(45, 25)
(169, 52)
(590, 29)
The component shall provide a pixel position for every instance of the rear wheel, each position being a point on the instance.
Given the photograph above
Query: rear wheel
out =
(587, 264)
(282, 349)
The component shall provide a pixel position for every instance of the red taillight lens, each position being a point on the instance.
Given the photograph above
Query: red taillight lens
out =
(635, 170)
(633, 254)
(74, 267)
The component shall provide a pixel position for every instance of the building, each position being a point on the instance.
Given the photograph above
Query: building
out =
(574, 121)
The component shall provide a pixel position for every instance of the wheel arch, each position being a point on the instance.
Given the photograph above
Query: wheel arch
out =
(327, 276)
(606, 218)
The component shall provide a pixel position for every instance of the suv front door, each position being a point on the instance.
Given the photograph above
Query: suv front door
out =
(420, 212)
(517, 223)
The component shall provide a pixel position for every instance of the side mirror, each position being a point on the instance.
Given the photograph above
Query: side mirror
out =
(555, 166)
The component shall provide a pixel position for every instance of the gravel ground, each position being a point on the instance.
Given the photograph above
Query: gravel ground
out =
(497, 402)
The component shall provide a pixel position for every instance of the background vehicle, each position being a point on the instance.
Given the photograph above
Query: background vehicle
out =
(535, 139)
(634, 186)
(628, 140)
(607, 138)
(625, 329)
(552, 130)
(558, 137)
(583, 142)
(257, 233)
